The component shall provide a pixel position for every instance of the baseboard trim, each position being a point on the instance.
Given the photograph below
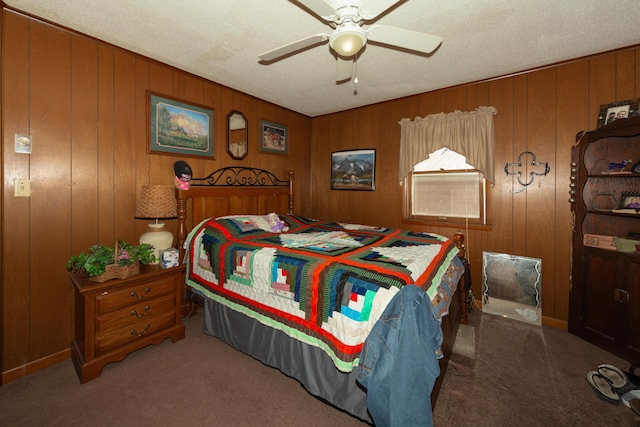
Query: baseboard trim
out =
(555, 323)
(37, 365)
(546, 320)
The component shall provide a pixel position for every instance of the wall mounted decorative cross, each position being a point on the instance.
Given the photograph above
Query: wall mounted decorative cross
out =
(513, 169)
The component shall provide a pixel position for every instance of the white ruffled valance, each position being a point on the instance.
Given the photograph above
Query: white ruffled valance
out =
(469, 133)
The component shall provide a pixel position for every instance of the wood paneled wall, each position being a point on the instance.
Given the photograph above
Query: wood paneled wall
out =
(84, 102)
(539, 111)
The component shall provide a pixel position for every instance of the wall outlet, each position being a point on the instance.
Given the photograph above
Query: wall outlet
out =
(22, 188)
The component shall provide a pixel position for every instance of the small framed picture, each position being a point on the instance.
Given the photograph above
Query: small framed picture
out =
(630, 200)
(609, 113)
(179, 128)
(629, 203)
(274, 138)
(353, 170)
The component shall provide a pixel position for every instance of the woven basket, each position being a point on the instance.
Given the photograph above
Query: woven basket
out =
(115, 271)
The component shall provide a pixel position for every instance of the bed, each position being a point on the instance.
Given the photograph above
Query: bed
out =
(311, 330)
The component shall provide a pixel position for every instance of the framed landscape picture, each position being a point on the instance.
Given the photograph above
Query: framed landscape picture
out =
(179, 128)
(353, 170)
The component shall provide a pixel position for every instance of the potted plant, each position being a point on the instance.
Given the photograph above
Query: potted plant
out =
(103, 263)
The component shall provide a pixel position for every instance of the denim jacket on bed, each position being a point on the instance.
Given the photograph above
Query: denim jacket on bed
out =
(399, 361)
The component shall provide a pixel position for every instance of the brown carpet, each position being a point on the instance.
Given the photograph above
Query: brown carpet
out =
(522, 376)
(526, 375)
(198, 381)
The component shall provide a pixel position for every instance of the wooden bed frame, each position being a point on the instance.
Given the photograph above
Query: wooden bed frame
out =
(243, 190)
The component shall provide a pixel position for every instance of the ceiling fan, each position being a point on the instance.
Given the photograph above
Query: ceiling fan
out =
(347, 18)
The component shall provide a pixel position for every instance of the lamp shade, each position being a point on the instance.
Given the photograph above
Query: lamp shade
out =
(347, 40)
(157, 201)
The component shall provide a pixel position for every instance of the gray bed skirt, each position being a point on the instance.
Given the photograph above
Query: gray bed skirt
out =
(311, 366)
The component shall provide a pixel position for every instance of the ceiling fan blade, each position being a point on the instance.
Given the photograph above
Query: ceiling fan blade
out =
(320, 8)
(407, 39)
(373, 8)
(293, 47)
(344, 69)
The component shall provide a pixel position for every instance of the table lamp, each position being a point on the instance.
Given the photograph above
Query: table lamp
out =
(157, 202)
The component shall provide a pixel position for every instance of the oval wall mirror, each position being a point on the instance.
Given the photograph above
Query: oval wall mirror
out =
(237, 138)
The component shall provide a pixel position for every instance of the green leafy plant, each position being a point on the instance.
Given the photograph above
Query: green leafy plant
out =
(95, 262)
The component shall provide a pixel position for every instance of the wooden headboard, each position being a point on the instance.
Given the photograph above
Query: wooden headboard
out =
(232, 190)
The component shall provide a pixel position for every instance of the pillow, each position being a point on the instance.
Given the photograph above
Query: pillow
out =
(258, 222)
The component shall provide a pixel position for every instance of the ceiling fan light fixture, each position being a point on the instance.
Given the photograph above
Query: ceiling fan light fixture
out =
(347, 40)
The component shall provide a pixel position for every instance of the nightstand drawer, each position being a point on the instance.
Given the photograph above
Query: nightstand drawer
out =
(111, 301)
(136, 331)
(129, 316)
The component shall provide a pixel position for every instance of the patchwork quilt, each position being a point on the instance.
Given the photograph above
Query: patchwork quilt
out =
(323, 283)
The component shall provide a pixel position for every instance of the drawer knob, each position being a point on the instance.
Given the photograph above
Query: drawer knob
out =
(135, 294)
(146, 328)
(135, 313)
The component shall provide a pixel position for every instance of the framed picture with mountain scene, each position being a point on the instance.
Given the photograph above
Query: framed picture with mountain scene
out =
(179, 128)
(353, 170)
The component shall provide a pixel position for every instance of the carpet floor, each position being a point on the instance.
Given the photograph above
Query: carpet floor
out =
(519, 375)
(526, 375)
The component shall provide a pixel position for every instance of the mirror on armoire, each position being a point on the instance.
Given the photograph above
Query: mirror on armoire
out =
(237, 138)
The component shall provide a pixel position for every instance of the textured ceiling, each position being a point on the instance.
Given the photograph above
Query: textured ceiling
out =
(220, 40)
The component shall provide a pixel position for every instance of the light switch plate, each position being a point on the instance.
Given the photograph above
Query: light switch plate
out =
(22, 188)
(22, 143)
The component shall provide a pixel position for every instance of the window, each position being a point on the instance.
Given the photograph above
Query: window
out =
(445, 190)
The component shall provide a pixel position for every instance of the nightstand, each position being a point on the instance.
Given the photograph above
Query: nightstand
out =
(117, 317)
